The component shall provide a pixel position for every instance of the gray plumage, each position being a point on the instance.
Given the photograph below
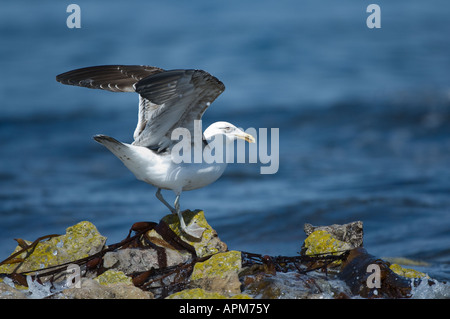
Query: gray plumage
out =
(167, 99)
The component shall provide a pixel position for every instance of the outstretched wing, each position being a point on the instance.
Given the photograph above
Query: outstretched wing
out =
(114, 78)
(175, 99)
(167, 99)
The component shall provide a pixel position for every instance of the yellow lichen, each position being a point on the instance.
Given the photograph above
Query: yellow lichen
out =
(209, 244)
(80, 240)
(321, 242)
(198, 293)
(218, 265)
(113, 277)
(407, 272)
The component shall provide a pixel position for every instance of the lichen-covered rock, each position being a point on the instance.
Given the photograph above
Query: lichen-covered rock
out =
(407, 272)
(332, 239)
(220, 273)
(218, 265)
(80, 240)
(198, 293)
(113, 277)
(209, 244)
(355, 272)
(351, 233)
(322, 242)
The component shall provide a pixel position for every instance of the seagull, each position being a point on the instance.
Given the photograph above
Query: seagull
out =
(168, 99)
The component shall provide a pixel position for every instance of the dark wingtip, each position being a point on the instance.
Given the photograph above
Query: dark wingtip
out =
(102, 138)
(98, 137)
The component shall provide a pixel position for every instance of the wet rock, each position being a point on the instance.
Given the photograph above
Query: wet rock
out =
(80, 240)
(398, 263)
(219, 273)
(321, 242)
(292, 285)
(262, 286)
(357, 274)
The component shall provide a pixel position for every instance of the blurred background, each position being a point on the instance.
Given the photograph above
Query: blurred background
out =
(363, 114)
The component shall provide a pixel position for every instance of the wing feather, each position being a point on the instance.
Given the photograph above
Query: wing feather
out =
(167, 99)
(115, 78)
(182, 96)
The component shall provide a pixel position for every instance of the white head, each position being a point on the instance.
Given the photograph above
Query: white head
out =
(228, 130)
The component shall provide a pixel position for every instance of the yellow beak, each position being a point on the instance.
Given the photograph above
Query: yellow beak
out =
(245, 136)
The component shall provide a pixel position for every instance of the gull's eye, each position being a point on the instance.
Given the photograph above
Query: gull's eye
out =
(227, 129)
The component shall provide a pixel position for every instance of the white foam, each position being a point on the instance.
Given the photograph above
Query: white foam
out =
(438, 290)
(37, 290)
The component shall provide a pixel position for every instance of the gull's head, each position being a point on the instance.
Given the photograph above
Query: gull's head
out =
(228, 130)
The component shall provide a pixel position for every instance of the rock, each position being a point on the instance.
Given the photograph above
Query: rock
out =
(321, 242)
(92, 289)
(198, 293)
(113, 277)
(167, 247)
(131, 260)
(219, 273)
(262, 286)
(10, 292)
(80, 240)
(351, 233)
(163, 261)
(292, 285)
(109, 285)
(395, 281)
(332, 240)
(355, 272)
(407, 272)
(209, 244)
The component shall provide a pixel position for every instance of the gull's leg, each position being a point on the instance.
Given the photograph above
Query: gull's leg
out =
(192, 230)
(161, 198)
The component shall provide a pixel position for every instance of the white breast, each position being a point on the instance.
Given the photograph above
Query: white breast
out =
(162, 172)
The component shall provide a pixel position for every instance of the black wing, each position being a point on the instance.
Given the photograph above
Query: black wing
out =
(115, 78)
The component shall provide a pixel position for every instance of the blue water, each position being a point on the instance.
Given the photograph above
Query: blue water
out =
(363, 114)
